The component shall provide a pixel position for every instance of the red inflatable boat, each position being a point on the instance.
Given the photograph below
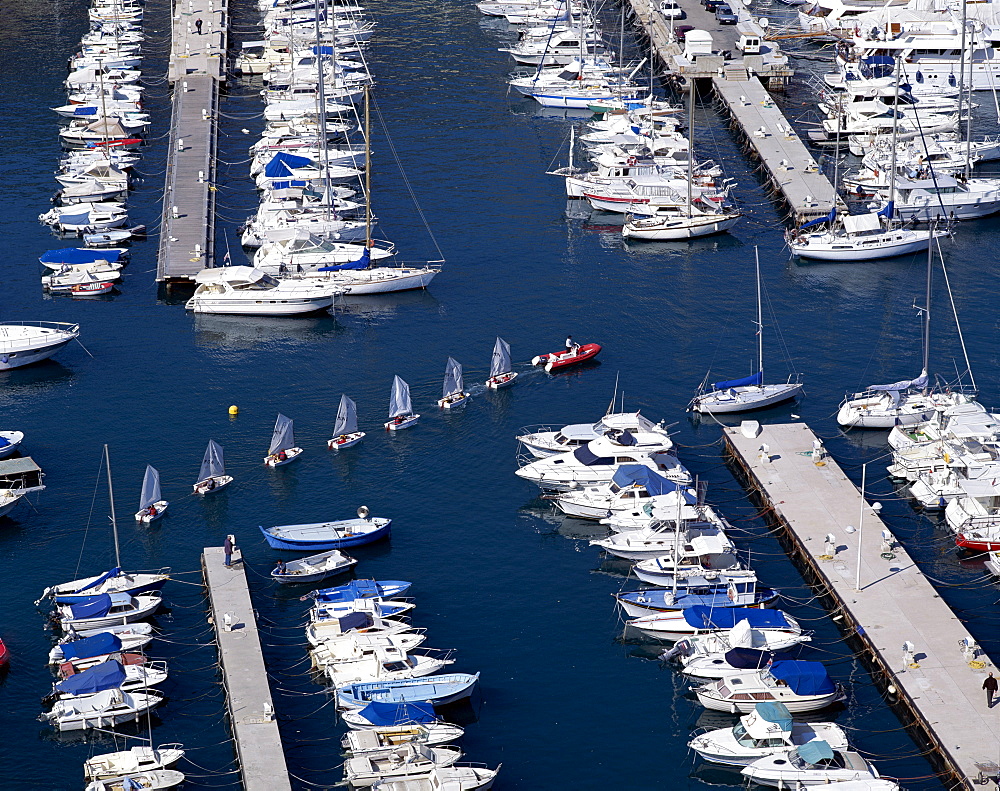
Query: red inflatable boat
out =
(564, 359)
(4, 656)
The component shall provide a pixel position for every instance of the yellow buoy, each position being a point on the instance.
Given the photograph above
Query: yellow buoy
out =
(234, 410)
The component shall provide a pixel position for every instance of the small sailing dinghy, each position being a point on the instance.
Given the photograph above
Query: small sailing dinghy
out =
(750, 392)
(313, 568)
(345, 430)
(501, 374)
(564, 359)
(453, 394)
(212, 476)
(155, 780)
(152, 506)
(282, 450)
(329, 535)
(400, 409)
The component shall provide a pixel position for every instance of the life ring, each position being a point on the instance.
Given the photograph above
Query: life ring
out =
(632, 162)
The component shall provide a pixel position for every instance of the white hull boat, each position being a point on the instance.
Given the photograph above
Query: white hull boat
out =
(377, 740)
(155, 780)
(133, 761)
(362, 771)
(813, 763)
(103, 710)
(24, 343)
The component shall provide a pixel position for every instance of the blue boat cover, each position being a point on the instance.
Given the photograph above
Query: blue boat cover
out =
(775, 712)
(85, 111)
(91, 607)
(888, 211)
(283, 163)
(107, 675)
(585, 456)
(749, 658)
(388, 714)
(819, 220)
(4, 443)
(361, 263)
(287, 185)
(804, 678)
(98, 645)
(77, 255)
(104, 577)
(707, 618)
(355, 589)
(815, 751)
(650, 480)
(355, 620)
(746, 381)
(74, 219)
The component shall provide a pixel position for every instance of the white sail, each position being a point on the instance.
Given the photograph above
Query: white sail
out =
(347, 417)
(500, 364)
(283, 437)
(399, 403)
(150, 488)
(213, 464)
(452, 378)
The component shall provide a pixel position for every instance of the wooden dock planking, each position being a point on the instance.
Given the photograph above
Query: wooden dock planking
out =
(896, 602)
(248, 695)
(196, 67)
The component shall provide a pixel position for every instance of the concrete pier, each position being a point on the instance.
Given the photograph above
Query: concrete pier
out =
(937, 690)
(248, 696)
(196, 67)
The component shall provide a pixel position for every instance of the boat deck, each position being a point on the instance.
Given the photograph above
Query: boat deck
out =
(940, 696)
(248, 696)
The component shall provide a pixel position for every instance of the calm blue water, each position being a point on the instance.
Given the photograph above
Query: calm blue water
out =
(515, 589)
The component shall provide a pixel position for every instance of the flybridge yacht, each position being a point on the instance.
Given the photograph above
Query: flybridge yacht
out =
(245, 290)
(543, 442)
(558, 48)
(837, 16)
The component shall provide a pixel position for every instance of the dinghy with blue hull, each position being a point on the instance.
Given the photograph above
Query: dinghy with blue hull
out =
(437, 690)
(362, 589)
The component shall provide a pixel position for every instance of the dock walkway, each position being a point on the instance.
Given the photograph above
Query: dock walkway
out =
(196, 67)
(248, 695)
(942, 691)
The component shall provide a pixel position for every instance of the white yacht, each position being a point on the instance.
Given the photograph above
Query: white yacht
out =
(543, 441)
(246, 290)
(26, 342)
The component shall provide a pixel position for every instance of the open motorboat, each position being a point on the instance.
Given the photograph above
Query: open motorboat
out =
(801, 686)
(395, 763)
(355, 623)
(781, 629)
(154, 780)
(76, 256)
(9, 442)
(501, 374)
(345, 429)
(248, 291)
(282, 449)
(313, 568)
(26, 342)
(108, 766)
(632, 489)
(699, 660)
(814, 763)
(401, 414)
(383, 716)
(749, 392)
(453, 394)
(362, 589)
(555, 361)
(9, 500)
(103, 710)
(379, 739)
(437, 690)
(325, 612)
(767, 730)
(543, 441)
(212, 475)
(452, 778)
(350, 647)
(152, 506)
(346, 663)
(702, 543)
(330, 535)
(101, 645)
(692, 586)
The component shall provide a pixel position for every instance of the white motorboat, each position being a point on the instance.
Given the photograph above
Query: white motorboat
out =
(346, 662)
(813, 763)
(212, 476)
(780, 629)
(9, 442)
(632, 490)
(944, 198)
(83, 218)
(801, 686)
(8, 500)
(152, 506)
(345, 430)
(363, 623)
(677, 223)
(313, 568)
(721, 654)
(767, 730)
(543, 441)
(131, 637)
(107, 609)
(349, 647)
(153, 780)
(453, 393)
(408, 760)
(26, 342)
(451, 778)
(377, 740)
(248, 291)
(701, 542)
(749, 392)
(103, 710)
(401, 414)
(129, 762)
(501, 374)
(130, 678)
(282, 449)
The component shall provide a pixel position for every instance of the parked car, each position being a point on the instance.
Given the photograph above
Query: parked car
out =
(680, 31)
(671, 10)
(724, 15)
(711, 5)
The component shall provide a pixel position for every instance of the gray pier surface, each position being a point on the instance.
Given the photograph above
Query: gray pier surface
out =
(248, 695)
(196, 67)
(942, 698)
(767, 134)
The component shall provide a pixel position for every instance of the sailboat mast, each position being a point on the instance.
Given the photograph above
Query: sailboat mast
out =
(324, 158)
(690, 140)
(368, 170)
(927, 298)
(969, 51)
(114, 522)
(677, 541)
(760, 320)
(892, 155)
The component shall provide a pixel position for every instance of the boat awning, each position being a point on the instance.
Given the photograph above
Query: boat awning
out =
(388, 714)
(104, 577)
(803, 678)
(711, 544)
(905, 384)
(862, 223)
(746, 381)
(20, 473)
(282, 164)
(98, 645)
(588, 458)
(355, 620)
(94, 607)
(360, 263)
(701, 617)
(815, 752)
(77, 255)
(650, 480)
(748, 659)
(980, 487)
(775, 712)
(107, 675)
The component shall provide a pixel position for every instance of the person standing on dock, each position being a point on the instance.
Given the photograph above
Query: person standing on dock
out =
(227, 547)
(197, 24)
(990, 685)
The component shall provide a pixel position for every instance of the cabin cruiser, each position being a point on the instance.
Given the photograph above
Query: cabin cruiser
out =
(543, 442)
(943, 197)
(720, 654)
(306, 252)
(813, 763)
(26, 342)
(691, 586)
(801, 686)
(245, 290)
(782, 631)
(702, 543)
(633, 489)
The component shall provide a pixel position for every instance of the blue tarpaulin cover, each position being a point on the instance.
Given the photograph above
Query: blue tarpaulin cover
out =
(85, 111)
(283, 163)
(748, 658)
(113, 573)
(804, 678)
(653, 482)
(702, 617)
(387, 714)
(98, 645)
(77, 255)
(107, 675)
(94, 607)
(4, 443)
(361, 263)
(829, 218)
(746, 381)
(775, 712)
(815, 751)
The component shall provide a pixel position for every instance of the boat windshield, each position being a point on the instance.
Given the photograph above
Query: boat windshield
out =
(263, 284)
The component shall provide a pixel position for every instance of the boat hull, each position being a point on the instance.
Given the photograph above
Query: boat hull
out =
(345, 441)
(144, 517)
(221, 482)
(407, 422)
(291, 454)
(340, 542)
(501, 381)
(745, 400)
(558, 360)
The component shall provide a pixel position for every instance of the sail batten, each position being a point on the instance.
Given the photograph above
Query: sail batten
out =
(347, 417)
(150, 488)
(283, 437)
(500, 364)
(399, 402)
(213, 464)
(452, 378)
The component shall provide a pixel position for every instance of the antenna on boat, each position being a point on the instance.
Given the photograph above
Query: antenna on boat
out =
(690, 177)
(111, 497)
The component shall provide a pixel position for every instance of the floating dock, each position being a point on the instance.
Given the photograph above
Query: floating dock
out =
(196, 67)
(937, 689)
(248, 695)
(792, 171)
